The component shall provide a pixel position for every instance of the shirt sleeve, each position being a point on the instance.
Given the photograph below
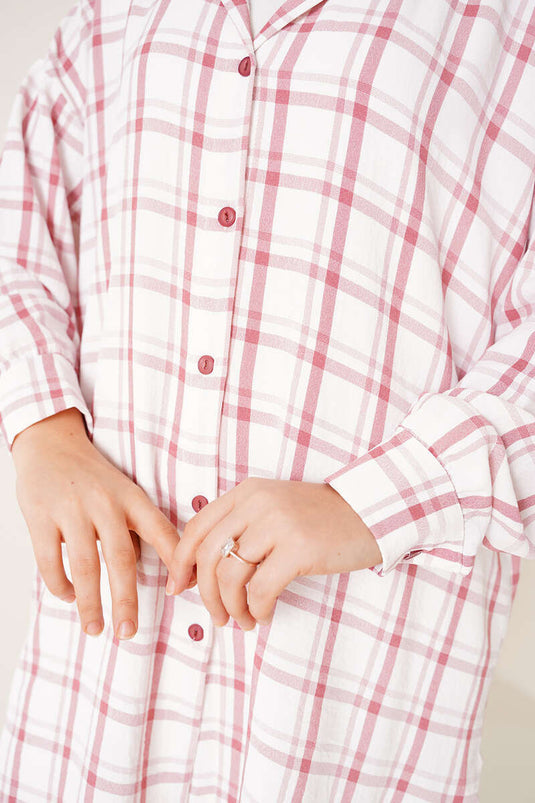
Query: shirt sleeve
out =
(458, 473)
(41, 173)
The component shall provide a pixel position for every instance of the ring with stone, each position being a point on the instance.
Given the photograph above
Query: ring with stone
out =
(230, 548)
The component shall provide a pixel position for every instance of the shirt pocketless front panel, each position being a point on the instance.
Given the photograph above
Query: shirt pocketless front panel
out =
(278, 218)
(285, 242)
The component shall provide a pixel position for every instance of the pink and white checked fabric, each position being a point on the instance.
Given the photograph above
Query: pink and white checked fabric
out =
(260, 11)
(368, 299)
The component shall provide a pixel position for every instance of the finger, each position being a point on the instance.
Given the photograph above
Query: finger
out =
(193, 577)
(269, 580)
(119, 554)
(208, 555)
(46, 542)
(173, 588)
(193, 537)
(233, 576)
(137, 546)
(195, 531)
(151, 525)
(84, 562)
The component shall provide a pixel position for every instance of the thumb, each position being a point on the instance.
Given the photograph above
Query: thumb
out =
(153, 527)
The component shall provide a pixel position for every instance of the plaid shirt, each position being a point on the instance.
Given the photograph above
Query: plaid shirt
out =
(306, 256)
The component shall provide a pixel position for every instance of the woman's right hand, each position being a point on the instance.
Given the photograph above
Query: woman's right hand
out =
(68, 491)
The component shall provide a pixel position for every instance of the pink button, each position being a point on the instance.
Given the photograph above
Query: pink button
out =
(226, 216)
(206, 364)
(198, 502)
(244, 67)
(195, 632)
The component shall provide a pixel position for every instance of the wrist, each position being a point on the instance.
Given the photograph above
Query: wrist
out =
(67, 424)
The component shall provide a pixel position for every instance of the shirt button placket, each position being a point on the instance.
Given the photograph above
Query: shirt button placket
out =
(205, 365)
(226, 218)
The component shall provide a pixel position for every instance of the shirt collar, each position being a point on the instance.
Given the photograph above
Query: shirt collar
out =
(288, 11)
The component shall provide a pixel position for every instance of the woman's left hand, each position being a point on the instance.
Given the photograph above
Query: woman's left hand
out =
(291, 528)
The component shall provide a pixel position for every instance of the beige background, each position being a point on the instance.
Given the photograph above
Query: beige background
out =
(509, 739)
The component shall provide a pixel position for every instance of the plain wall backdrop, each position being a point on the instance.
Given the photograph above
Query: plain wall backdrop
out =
(508, 747)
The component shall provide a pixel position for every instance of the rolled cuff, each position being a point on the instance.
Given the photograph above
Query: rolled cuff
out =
(35, 387)
(405, 496)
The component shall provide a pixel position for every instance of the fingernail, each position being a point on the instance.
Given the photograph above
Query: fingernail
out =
(94, 628)
(126, 629)
(69, 597)
(171, 587)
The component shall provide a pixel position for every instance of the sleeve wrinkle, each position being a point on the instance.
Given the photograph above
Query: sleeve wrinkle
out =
(41, 177)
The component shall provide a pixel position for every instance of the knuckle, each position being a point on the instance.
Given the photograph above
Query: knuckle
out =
(89, 607)
(161, 520)
(134, 492)
(88, 602)
(250, 484)
(136, 503)
(39, 522)
(106, 502)
(71, 503)
(126, 602)
(301, 542)
(88, 598)
(165, 528)
(189, 530)
(260, 497)
(123, 558)
(160, 529)
(86, 566)
(47, 563)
